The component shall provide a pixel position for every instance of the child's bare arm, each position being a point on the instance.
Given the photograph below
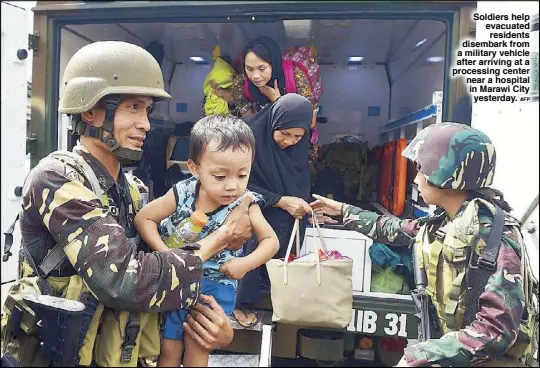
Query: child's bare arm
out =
(150, 215)
(266, 236)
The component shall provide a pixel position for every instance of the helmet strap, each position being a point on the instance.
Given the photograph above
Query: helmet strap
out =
(125, 155)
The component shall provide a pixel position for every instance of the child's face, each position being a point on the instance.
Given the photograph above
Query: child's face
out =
(223, 175)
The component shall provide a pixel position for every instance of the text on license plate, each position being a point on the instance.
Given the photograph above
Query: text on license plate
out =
(370, 322)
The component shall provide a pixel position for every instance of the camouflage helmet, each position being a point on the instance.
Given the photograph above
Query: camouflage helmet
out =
(105, 68)
(453, 156)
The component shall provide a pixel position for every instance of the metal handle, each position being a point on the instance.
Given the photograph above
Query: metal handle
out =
(530, 210)
(531, 227)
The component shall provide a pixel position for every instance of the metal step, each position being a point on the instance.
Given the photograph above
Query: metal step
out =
(233, 360)
(263, 359)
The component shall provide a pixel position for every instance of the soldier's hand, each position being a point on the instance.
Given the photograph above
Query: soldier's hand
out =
(237, 225)
(208, 325)
(327, 205)
(323, 219)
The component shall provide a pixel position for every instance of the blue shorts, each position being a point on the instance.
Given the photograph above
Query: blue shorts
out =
(225, 295)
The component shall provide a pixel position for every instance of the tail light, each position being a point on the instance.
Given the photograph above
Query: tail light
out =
(365, 343)
(392, 343)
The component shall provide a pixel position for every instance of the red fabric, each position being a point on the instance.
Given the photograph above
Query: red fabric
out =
(386, 174)
(400, 179)
(304, 59)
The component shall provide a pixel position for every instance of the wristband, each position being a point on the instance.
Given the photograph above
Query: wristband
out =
(342, 205)
(194, 246)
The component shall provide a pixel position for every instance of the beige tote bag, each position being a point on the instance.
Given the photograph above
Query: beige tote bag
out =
(311, 293)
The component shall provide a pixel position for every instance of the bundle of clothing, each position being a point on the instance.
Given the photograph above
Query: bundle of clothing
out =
(221, 75)
(392, 269)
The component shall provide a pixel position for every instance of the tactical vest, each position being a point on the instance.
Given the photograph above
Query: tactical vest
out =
(446, 251)
(112, 338)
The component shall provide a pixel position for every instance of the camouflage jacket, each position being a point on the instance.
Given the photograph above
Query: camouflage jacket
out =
(100, 242)
(500, 305)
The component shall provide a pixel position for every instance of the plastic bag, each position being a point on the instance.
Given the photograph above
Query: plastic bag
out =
(387, 281)
(331, 255)
(221, 75)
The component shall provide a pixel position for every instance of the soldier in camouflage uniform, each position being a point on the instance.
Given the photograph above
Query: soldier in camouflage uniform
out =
(456, 164)
(108, 88)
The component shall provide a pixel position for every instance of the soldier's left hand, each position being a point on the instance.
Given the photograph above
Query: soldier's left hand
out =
(237, 225)
(208, 325)
(327, 205)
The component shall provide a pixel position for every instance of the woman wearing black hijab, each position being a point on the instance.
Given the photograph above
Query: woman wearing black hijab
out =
(280, 173)
(265, 84)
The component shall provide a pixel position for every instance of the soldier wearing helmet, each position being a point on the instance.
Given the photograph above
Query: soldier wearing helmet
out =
(77, 229)
(456, 166)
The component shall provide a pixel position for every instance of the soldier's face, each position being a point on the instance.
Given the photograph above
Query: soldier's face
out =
(131, 121)
(430, 194)
(223, 174)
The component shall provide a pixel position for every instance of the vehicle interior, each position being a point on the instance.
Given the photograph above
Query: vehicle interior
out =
(381, 81)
